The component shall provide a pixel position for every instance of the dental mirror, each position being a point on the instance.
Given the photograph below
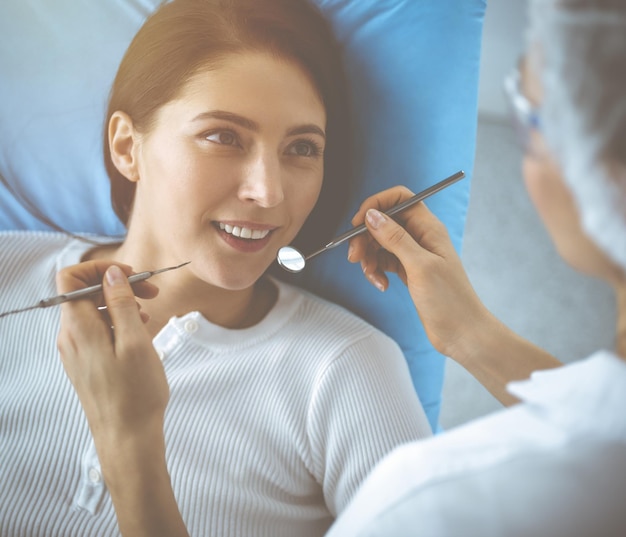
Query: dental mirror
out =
(292, 260)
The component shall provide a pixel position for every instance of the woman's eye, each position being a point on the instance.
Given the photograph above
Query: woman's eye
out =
(305, 149)
(222, 138)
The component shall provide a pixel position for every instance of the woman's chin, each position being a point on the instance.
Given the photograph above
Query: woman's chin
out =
(235, 279)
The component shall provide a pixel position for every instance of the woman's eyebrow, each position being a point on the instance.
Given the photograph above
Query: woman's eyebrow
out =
(306, 129)
(228, 116)
(254, 126)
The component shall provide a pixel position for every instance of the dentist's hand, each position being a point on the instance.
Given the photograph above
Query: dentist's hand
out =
(421, 253)
(109, 358)
(122, 387)
(456, 321)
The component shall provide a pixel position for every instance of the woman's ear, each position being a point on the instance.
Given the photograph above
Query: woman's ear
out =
(123, 145)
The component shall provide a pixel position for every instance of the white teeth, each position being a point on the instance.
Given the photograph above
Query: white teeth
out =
(244, 232)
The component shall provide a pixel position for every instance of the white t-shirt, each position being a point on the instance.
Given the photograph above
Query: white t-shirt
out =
(554, 465)
(270, 430)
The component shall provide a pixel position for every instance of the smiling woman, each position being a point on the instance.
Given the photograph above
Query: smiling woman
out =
(225, 139)
(165, 54)
(214, 156)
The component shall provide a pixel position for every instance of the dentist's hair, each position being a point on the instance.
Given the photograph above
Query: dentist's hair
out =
(582, 46)
(183, 36)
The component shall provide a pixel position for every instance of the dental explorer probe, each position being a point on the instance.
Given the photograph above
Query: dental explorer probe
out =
(88, 291)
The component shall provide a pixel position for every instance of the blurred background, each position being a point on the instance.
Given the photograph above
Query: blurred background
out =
(507, 254)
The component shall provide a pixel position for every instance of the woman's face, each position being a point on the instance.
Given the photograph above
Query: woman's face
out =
(552, 197)
(230, 169)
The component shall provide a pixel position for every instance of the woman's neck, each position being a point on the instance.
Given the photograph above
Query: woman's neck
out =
(229, 309)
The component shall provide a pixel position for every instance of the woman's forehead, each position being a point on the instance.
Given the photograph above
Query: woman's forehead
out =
(252, 84)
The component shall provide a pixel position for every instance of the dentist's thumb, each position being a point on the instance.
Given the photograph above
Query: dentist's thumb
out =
(121, 304)
(393, 237)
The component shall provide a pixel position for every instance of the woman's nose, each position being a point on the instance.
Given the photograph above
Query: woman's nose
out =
(262, 182)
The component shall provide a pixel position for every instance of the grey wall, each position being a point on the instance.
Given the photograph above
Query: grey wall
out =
(503, 41)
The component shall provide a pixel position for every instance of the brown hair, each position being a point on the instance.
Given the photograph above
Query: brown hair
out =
(184, 35)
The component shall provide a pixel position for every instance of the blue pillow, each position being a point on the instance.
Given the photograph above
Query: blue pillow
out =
(413, 68)
(57, 63)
